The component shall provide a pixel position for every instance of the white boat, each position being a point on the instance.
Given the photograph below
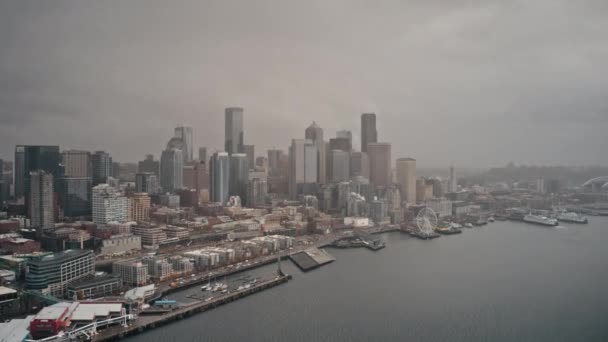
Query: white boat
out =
(468, 225)
(541, 220)
(571, 217)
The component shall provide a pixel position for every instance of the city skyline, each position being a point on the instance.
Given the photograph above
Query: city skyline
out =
(503, 96)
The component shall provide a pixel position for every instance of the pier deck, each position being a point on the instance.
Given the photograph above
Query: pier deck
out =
(143, 323)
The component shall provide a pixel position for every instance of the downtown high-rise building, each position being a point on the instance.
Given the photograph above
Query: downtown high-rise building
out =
(76, 163)
(171, 170)
(345, 134)
(314, 133)
(138, 207)
(185, 134)
(76, 197)
(249, 151)
(219, 177)
(41, 158)
(452, 180)
(406, 179)
(109, 205)
(149, 165)
(359, 164)
(340, 143)
(239, 172)
(101, 163)
(257, 191)
(379, 163)
(369, 133)
(303, 179)
(339, 162)
(41, 200)
(274, 161)
(203, 155)
(19, 172)
(147, 182)
(234, 134)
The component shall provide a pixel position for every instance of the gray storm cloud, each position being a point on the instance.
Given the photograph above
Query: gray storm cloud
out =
(472, 82)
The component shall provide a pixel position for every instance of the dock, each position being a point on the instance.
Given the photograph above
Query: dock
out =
(311, 258)
(143, 323)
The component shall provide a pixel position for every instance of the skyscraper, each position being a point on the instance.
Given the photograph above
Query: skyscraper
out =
(315, 133)
(219, 177)
(76, 200)
(369, 134)
(42, 158)
(452, 181)
(274, 161)
(41, 195)
(303, 156)
(76, 163)
(109, 205)
(340, 165)
(102, 167)
(346, 135)
(185, 134)
(239, 172)
(406, 178)
(234, 136)
(19, 172)
(342, 144)
(380, 163)
(138, 207)
(147, 182)
(149, 165)
(171, 173)
(257, 190)
(249, 150)
(359, 164)
(202, 155)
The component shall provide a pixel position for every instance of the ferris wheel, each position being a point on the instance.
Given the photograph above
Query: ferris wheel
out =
(426, 220)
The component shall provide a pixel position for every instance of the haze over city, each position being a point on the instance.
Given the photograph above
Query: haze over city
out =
(476, 83)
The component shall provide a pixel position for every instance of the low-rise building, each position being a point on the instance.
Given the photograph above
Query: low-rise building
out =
(95, 288)
(151, 235)
(121, 244)
(132, 273)
(20, 245)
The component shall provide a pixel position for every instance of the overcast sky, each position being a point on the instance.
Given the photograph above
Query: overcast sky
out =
(474, 83)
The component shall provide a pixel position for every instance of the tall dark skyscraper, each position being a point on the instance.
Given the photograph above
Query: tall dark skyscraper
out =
(41, 158)
(219, 177)
(102, 167)
(369, 134)
(19, 171)
(76, 200)
(249, 150)
(234, 136)
(149, 165)
(239, 171)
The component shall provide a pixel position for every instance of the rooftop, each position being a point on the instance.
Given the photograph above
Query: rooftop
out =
(16, 330)
(56, 311)
(6, 290)
(90, 311)
(63, 256)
